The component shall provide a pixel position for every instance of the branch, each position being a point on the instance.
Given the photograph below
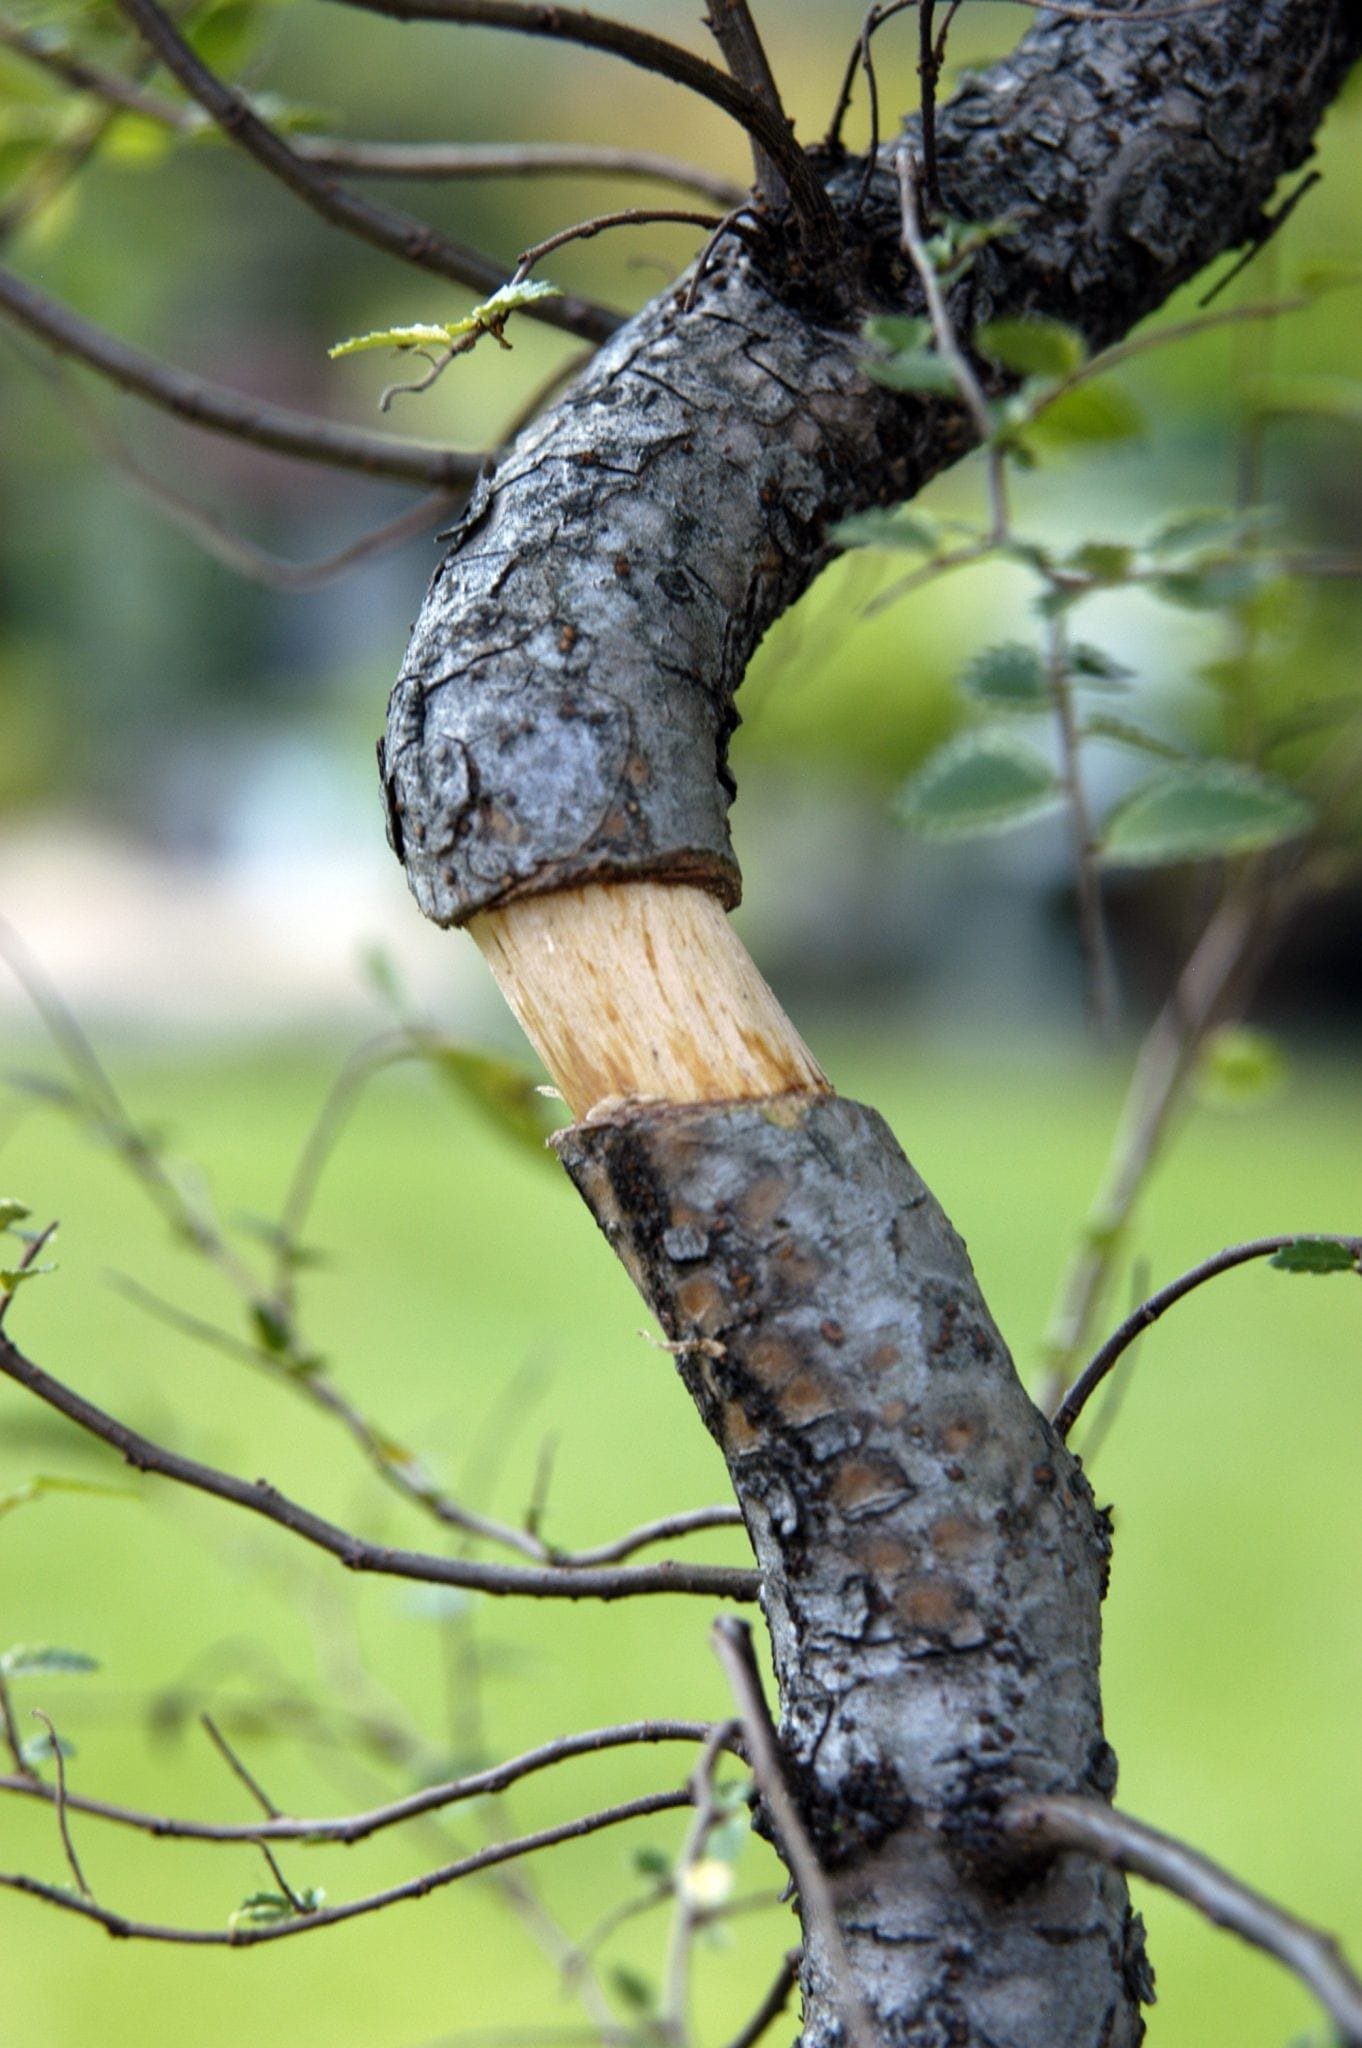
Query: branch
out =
(731, 24)
(358, 1827)
(651, 53)
(1140, 1319)
(260, 1498)
(398, 234)
(223, 411)
(732, 1640)
(1062, 1822)
(772, 2006)
(331, 1916)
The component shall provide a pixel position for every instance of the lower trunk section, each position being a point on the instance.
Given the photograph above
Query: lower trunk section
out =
(934, 1562)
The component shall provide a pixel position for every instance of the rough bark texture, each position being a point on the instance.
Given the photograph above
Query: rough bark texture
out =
(567, 698)
(933, 1558)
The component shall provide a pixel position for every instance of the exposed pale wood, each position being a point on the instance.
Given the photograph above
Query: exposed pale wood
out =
(642, 990)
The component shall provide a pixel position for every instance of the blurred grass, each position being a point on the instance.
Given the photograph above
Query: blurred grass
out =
(467, 1305)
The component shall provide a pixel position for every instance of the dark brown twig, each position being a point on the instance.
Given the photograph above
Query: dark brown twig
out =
(223, 411)
(247, 1936)
(15, 1745)
(59, 1762)
(733, 28)
(358, 1827)
(237, 1767)
(398, 234)
(809, 201)
(1268, 226)
(772, 2006)
(587, 230)
(260, 1498)
(1093, 1374)
(33, 1250)
(1062, 1822)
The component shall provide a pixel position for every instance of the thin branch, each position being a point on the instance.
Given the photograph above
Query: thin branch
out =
(1314, 1957)
(587, 230)
(653, 53)
(673, 2016)
(28, 1779)
(397, 234)
(60, 1801)
(731, 24)
(33, 1250)
(237, 1767)
(246, 1936)
(732, 1640)
(260, 1498)
(1140, 1319)
(773, 2005)
(688, 1522)
(223, 411)
(1091, 923)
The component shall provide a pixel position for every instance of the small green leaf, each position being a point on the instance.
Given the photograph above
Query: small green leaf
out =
(915, 370)
(981, 782)
(1010, 677)
(1123, 732)
(898, 529)
(633, 1989)
(1095, 668)
(15, 1276)
(26, 1659)
(40, 1749)
(1240, 1068)
(488, 318)
(1104, 561)
(1315, 1255)
(12, 1212)
(273, 1331)
(651, 1862)
(1213, 531)
(1088, 414)
(261, 1909)
(502, 1090)
(727, 1842)
(897, 331)
(1196, 813)
(1033, 347)
(393, 337)
(1213, 587)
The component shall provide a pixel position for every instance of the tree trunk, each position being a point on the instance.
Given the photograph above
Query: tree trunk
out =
(933, 1560)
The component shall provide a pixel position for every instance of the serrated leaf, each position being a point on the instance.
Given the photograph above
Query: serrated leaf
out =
(1035, 347)
(1090, 414)
(1009, 677)
(1314, 1255)
(1240, 1068)
(488, 318)
(1105, 561)
(1199, 813)
(899, 529)
(915, 370)
(12, 1212)
(26, 1659)
(501, 1089)
(981, 782)
(393, 337)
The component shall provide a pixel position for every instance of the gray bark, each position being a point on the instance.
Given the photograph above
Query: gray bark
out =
(933, 1559)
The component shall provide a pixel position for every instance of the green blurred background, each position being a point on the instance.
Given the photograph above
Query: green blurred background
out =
(190, 839)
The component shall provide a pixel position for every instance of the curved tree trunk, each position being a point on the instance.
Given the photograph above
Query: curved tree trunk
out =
(933, 1559)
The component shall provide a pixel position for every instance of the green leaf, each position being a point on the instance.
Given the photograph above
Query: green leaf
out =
(1034, 347)
(1315, 1255)
(1123, 732)
(651, 1862)
(956, 243)
(1240, 1068)
(273, 1331)
(1326, 398)
(898, 529)
(897, 331)
(915, 370)
(727, 1842)
(488, 318)
(15, 1276)
(1094, 668)
(1089, 414)
(12, 1212)
(26, 1659)
(981, 782)
(1010, 677)
(502, 1090)
(1212, 531)
(1196, 813)
(40, 1749)
(633, 1989)
(261, 1909)
(1104, 561)
(1213, 587)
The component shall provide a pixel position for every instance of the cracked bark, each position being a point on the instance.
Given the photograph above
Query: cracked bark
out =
(934, 1560)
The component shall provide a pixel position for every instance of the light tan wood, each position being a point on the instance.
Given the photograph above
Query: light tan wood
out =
(642, 990)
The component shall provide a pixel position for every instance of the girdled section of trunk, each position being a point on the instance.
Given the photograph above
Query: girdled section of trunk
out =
(933, 1558)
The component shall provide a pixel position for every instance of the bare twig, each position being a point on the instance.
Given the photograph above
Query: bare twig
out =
(237, 1767)
(732, 1641)
(247, 1936)
(1091, 923)
(223, 411)
(772, 2006)
(398, 234)
(688, 1522)
(587, 230)
(59, 1762)
(15, 1745)
(673, 2017)
(653, 53)
(1087, 1825)
(1140, 1319)
(260, 1498)
(1268, 226)
(733, 28)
